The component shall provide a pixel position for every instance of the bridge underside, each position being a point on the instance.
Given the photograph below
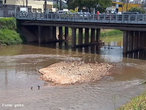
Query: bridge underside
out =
(35, 33)
(83, 34)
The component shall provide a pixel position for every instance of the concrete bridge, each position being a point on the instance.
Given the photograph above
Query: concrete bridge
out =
(52, 27)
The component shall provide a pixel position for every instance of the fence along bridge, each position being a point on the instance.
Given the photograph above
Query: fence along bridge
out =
(43, 28)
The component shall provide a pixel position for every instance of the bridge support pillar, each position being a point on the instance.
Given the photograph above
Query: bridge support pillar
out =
(143, 39)
(54, 33)
(133, 43)
(136, 40)
(97, 35)
(66, 34)
(73, 37)
(125, 40)
(51, 32)
(45, 34)
(130, 41)
(97, 39)
(86, 36)
(93, 36)
(80, 36)
(60, 36)
(39, 35)
(139, 40)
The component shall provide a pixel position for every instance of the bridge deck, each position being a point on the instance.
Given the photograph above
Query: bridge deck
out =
(135, 22)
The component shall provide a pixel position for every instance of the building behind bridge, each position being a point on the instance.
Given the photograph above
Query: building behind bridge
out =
(9, 7)
(120, 6)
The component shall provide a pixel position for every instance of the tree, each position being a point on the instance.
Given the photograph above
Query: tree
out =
(140, 10)
(101, 5)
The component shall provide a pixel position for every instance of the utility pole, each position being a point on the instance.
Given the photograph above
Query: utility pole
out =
(26, 3)
(5, 1)
(57, 3)
(60, 5)
(45, 6)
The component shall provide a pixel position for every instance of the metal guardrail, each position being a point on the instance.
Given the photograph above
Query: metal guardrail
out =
(102, 18)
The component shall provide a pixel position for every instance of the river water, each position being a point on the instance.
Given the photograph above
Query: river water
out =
(19, 67)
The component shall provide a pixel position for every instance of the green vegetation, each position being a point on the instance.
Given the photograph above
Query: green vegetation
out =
(9, 37)
(111, 35)
(8, 33)
(8, 23)
(138, 103)
(135, 9)
(99, 5)
(110, 32)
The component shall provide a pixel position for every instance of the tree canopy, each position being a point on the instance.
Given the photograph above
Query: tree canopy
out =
(98, 4)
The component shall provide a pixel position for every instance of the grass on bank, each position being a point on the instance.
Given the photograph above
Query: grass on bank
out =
(110, 32)
(8, 33)
(138, 103)
(114, 38)
(9, 37)
(111, 35)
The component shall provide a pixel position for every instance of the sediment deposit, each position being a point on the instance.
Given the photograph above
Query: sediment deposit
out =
(75, 72)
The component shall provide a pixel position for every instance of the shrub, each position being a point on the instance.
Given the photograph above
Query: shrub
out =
(8, 23)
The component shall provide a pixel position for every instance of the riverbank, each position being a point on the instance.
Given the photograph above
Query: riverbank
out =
(111, 35)
(8, 32)
(138, 103)
(75, 72)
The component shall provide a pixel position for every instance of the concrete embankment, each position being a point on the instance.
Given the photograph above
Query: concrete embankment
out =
(75, 72)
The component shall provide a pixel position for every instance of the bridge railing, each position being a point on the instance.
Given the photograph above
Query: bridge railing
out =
(105, 18)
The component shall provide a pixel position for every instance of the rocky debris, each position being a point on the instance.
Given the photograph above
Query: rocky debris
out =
(74, 72)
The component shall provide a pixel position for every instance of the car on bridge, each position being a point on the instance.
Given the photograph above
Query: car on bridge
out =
(23, 11)
(84, 15)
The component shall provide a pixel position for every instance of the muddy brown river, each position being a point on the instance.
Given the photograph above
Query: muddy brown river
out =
(19, 67)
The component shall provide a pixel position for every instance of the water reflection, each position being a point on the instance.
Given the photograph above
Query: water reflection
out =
(110, 52)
